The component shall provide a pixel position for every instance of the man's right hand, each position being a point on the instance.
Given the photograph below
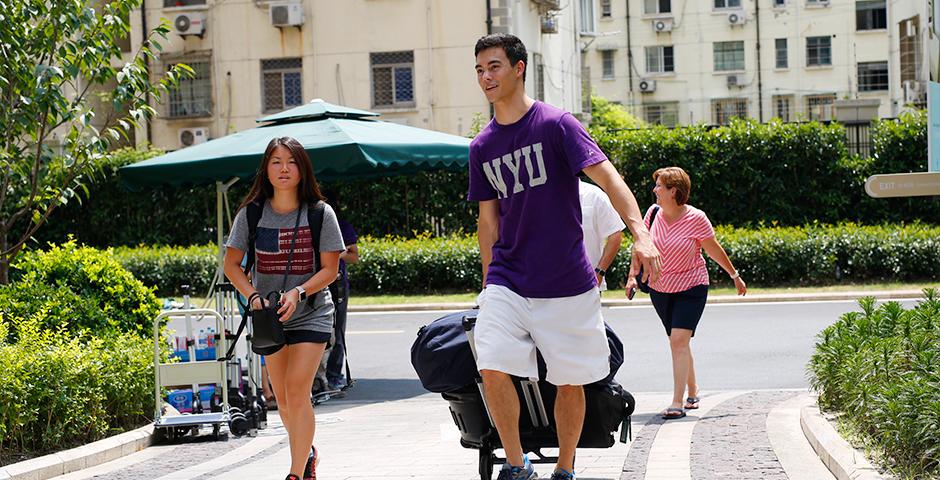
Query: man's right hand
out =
(646, 254)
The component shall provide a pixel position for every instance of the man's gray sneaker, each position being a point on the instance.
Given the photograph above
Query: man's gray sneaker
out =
(562, 474)
(508, 472)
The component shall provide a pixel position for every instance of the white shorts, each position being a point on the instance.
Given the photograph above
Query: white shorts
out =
(567, 331)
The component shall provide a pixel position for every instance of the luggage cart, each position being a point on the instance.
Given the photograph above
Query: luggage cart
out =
(536, 420)
(192, 372)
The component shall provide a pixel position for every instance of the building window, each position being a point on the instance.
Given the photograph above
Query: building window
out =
(780, 45)
(780, 3)
(393, 83)
(281, 81)
(193, 96)
(657, 6)
(729, 56)
(606, 11)
(871, 15)
(872, 76)
(182, 3)
(539, 76)
(910, 48)
(727, 4)
(666, 114)
(783, 107)
(818, 51)
(659, 59)
(817, 106)
(723, 110)
(587, 16)
(607, 57)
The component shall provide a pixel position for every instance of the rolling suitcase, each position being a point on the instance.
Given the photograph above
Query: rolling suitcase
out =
(607, 407)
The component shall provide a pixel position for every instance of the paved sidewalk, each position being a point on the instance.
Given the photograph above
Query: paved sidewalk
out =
(735, 435)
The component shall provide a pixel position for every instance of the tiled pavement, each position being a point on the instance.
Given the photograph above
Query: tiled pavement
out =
(734, 435)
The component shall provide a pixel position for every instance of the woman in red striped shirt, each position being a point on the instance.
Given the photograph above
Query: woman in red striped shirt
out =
(680, 232)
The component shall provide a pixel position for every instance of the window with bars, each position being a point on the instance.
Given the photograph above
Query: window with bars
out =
(872, 76)
(782, 59)
(193, 96)
(607, 61)
(666, 114)
(393, 79)
(606, 9)
(780, 3)
(911, 50)
(719, 4)
(724, 109)
(587, 16)
(817, 105)
(281, 84)
(729, 56)
(659, 59)
(657, 6)
(871, 15)
(539, 76)
(783, 107)
(819, 51)
(182, 3)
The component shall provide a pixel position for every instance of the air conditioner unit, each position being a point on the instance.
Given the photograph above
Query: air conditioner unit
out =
(914, 92)
(737, 80)
(647, 86)
(549, 24)
(190, 23)
(549, 4)
(286, 14)
(193, 136)
(662, 25)
(737, 18)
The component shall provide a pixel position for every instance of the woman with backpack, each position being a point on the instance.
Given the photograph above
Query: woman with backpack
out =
(680, 232)
(279, 222)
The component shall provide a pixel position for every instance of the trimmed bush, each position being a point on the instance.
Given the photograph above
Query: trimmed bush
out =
(166, 269)
(74, 287)
(810, 255)
(879, 370)
(59, 389)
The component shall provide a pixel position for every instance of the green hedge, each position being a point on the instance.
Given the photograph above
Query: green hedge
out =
(166, 269)
(879, 369)
(743, 174)
(59, 389)
(76, 287)
(809, 255)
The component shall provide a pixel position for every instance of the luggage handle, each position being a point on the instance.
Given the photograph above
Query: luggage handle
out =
(530, 388)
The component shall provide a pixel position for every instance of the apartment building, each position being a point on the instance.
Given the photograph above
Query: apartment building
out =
(706, 61)
(410, 60)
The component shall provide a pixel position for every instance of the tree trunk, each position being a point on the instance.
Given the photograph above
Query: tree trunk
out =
(4, 260)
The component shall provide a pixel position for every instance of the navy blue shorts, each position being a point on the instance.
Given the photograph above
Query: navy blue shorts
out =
(296, 336)
(680, 309)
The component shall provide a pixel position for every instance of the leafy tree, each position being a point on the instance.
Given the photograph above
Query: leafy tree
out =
(607, 117)
(62, 62)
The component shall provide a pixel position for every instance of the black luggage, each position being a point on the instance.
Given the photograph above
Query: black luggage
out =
(608, 407)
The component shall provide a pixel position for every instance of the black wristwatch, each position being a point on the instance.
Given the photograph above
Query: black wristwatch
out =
(600, 272)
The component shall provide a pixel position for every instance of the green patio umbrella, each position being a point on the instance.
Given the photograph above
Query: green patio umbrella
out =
(344, 143)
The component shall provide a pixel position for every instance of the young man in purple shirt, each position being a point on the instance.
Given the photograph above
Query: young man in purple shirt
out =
(539, 287)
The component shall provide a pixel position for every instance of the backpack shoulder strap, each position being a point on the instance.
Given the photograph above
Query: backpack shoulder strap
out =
(253, 213)
(315, 222)
(653, 216)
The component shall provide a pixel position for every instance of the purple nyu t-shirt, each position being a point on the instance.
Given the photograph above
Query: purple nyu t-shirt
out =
(531, 167)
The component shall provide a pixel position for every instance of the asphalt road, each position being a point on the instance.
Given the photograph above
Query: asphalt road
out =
(737, 346)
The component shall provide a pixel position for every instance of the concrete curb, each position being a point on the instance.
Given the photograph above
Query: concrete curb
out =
(770, 297)
(844, 461)
(79, 458)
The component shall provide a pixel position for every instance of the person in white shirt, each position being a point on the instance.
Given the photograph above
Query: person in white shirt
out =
(603, 229)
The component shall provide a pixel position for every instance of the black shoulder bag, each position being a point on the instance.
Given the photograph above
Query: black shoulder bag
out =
(266, 326)
(644, 286)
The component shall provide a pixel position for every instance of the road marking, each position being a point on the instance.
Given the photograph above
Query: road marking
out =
(755, 304)
(372, 332)
(403, 312)
(120, 463)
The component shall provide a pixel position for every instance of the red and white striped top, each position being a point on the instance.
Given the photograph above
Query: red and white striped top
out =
(680, 244)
